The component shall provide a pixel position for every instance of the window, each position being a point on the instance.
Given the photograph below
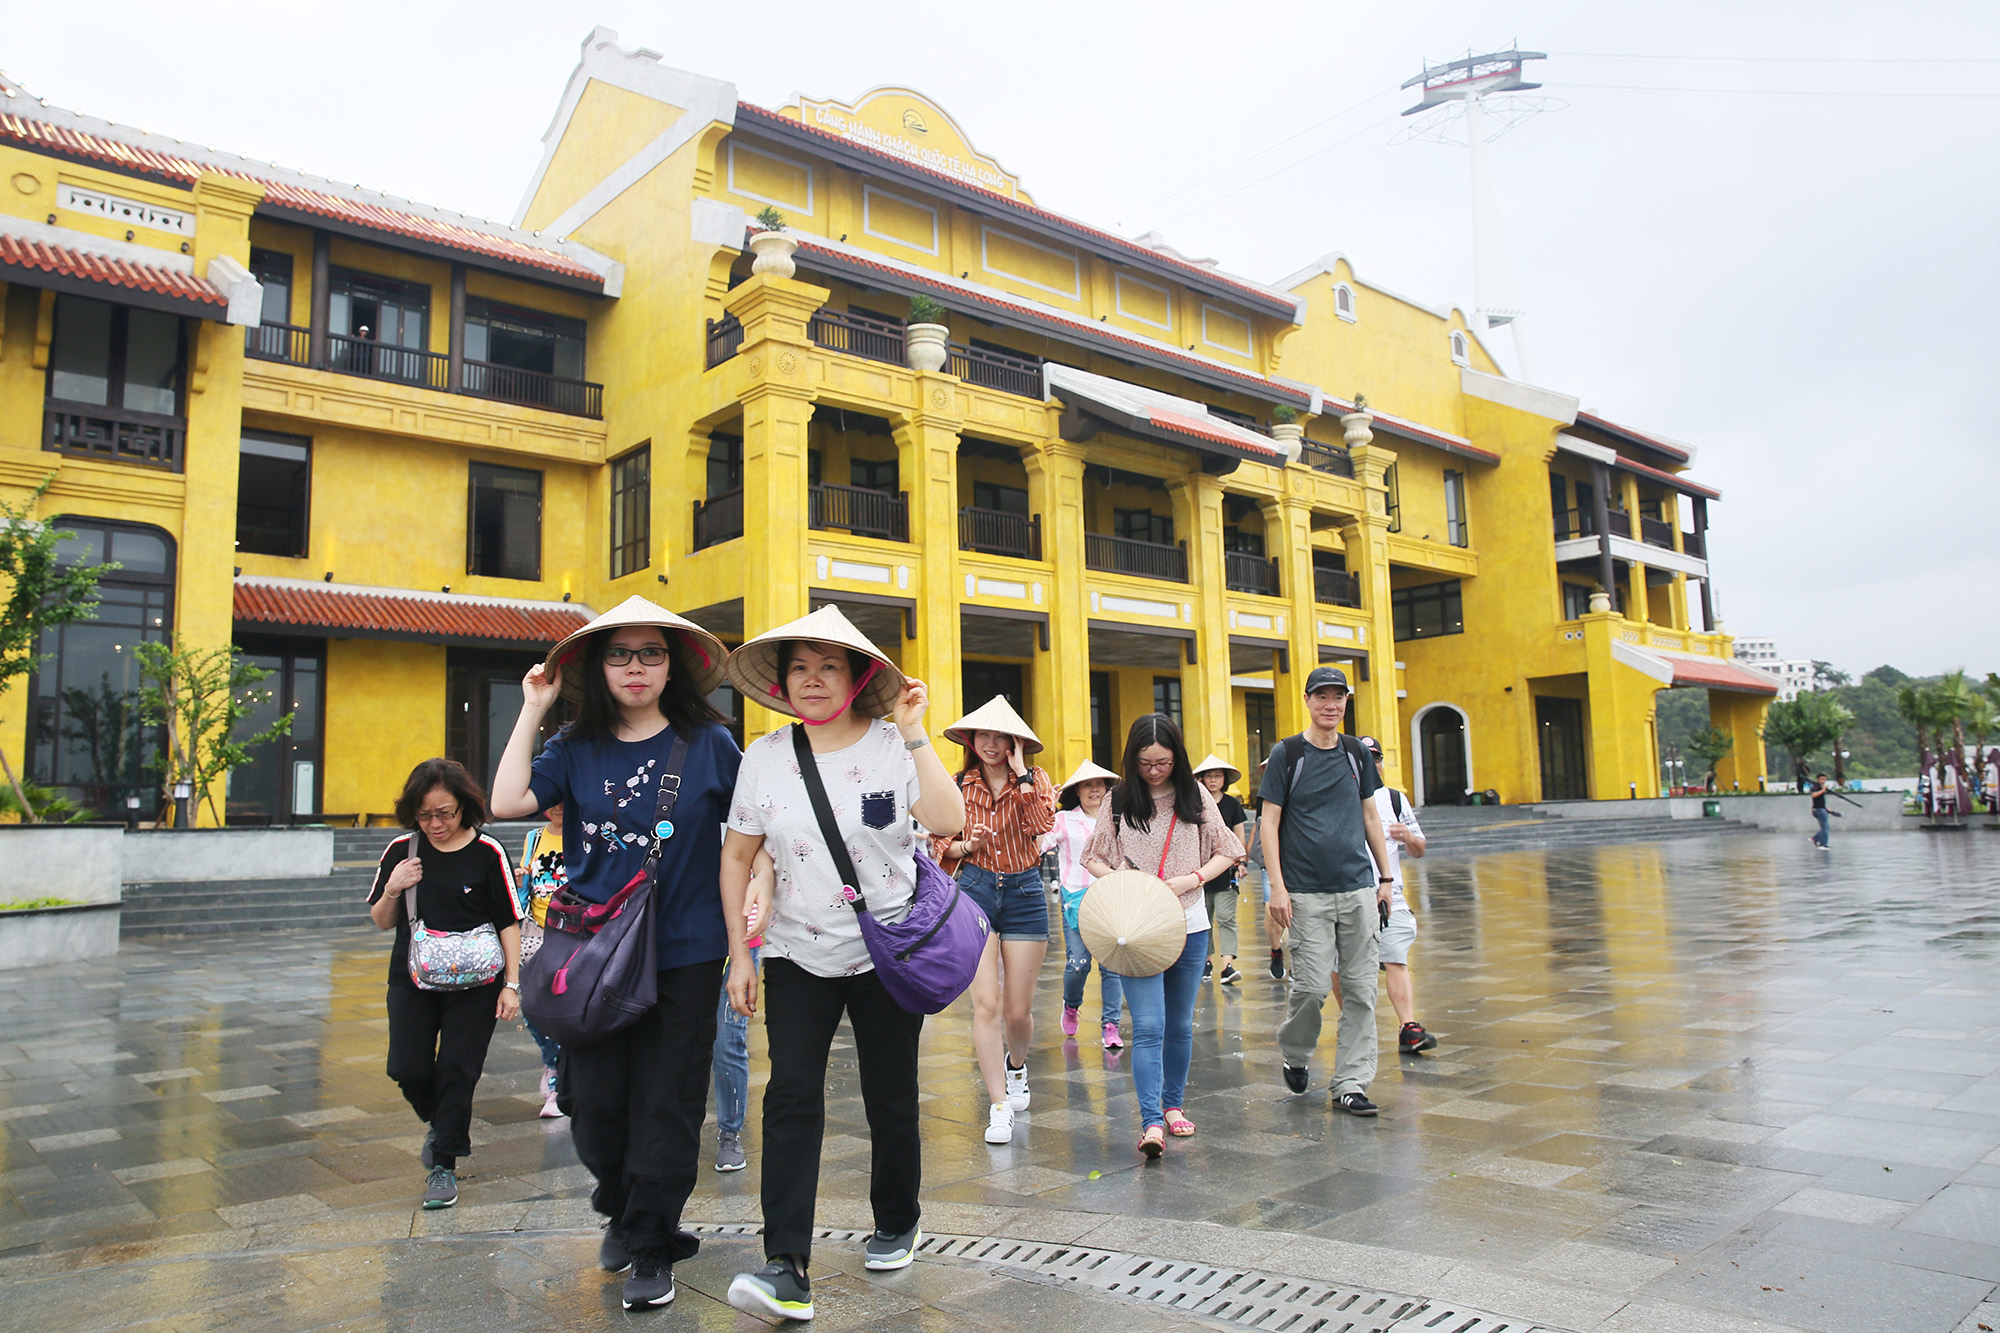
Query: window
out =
(504, 335)
(1143, 525)
(1427, 611)
(631, 511)
(815, 466)
(1167, 697)
(873, 474)
(1260, 716)
(273, 268)
(1392, 498)
(504, 523)
(725, 464)
(273, 494)
(1243, 543)
(1343, 301)
(1454, 509)
(1461, 353)
(113, 356)
(1576, 600)
(360, 305)
(1558, 495)
(1005, 499)
(281, 778)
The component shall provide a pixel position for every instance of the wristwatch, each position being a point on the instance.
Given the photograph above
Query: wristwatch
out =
(514, 986)
(917, 744)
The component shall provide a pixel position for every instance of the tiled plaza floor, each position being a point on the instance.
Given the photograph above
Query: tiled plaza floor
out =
(1705, 1085)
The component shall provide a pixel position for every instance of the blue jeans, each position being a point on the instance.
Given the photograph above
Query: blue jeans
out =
(1163, 1030)
(732, 1061)
(1824, 836)
(1016, 905)
(1076, 968)
(548, 1045)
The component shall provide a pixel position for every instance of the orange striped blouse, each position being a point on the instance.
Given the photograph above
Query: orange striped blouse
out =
(1017, 820)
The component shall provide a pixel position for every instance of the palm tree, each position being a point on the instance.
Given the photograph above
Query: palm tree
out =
(1957, 698)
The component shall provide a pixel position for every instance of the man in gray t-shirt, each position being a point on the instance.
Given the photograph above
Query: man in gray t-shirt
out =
(1322, 840)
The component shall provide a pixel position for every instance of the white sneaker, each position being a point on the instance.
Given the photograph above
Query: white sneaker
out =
(1017, 1088)
(1000, 1123)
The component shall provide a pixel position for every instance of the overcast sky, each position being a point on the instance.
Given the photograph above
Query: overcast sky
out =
(1768, 230)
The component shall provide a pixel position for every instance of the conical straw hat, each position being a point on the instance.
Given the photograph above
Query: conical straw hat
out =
(996, 714)
(1132, 923)
(707, 650)
(753, 668)
(1086, 771)
(1212, 762)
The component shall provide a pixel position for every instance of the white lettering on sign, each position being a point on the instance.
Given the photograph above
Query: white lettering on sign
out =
(125, 212)
(850, 127)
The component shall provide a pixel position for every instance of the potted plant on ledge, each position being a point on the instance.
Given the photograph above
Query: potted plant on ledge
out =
(1287, 431)
(773, 245)
(924, 347)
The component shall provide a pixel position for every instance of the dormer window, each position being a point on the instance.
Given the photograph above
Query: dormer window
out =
(1343, 301)
(1460, 350)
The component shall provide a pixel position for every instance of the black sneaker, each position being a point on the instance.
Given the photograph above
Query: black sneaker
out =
(1413, 1038)
(428, 1154)
(885, 1251)
(1277, 964)
(1355, 1103)
(776, 1291)
(1296, 1077)
(1207, 968)
(441, 1190)
(612, 1256)
(1230, 976)
(652, 1281)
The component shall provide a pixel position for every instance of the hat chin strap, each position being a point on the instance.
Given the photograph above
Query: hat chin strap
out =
(840, 712)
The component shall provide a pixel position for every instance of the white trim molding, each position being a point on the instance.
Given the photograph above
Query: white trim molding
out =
(1343, 302)
(868, 194)
(1166, 294)
(730, 184)
(1075, 292)
(1417, 747)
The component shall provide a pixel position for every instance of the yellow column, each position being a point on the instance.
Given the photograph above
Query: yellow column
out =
(777, 400)
(1205, 685)
(1367, 540)
(1289, 521)
(1055, 491)
(1742, 716)
(1636, 601)
(927, 454)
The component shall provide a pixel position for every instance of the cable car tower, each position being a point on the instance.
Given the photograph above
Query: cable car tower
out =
(1466, 89)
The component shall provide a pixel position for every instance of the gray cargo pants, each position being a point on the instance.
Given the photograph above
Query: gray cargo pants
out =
(1333, 932)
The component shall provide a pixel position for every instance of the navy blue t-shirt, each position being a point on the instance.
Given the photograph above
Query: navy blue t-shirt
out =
(609, 792)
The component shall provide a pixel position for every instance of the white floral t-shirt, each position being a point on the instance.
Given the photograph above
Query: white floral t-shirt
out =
(870, 785)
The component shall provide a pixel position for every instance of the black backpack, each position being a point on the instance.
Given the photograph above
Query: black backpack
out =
(1289, 757)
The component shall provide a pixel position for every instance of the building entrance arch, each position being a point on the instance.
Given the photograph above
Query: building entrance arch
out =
(1441, 742)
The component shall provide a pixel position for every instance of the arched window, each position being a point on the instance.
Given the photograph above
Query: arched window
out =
(85, 736)
(1460, 349)
(1343, 301)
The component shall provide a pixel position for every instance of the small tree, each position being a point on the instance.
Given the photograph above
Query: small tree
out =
(200, 694)
(770, 219)
(1711, 745)
(42, 594)
(1805, 725)
(925, 310)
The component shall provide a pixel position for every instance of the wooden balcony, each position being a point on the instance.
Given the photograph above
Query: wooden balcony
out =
(1250, 573)
(718, 520)
(725, 339)
(857, 335)
(996, 532)
(860, 511)
(291, 345)
(1148, 560)
(995, 370)
(1336, 587)
(1324, 458)
(113, 435)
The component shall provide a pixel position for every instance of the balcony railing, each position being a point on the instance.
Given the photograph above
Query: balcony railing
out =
(1695, 543)
(114, 436)
(725, 338)
(278, 342)
(1336, 587)
(1583, 523)
(857, 335)
(1655, 533)
(386, 361)
(996, 532)
(1122, 555)
(719, 520)
(531, 388)
(994, 370)
(1250, 573)
(1325, 458)
(863, 512)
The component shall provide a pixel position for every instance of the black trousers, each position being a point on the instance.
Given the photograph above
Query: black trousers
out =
(636, 1102)
(801, 1014)
(437, 1050)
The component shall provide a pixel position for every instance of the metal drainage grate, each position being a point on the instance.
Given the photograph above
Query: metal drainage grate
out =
(1268, 1302)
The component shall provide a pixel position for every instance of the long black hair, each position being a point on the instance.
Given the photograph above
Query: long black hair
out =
(598, 715)
(1132, 800)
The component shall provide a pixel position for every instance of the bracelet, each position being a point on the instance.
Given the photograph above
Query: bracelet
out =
(917, 744)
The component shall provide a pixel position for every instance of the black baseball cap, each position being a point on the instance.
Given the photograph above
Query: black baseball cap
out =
(1323, 677)
(1374, 745)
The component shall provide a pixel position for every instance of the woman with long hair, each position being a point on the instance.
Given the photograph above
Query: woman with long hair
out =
(459, 880)
(640, 676)
(1082, 798)
(860, 732)
(1161, 821)
(1009, 805)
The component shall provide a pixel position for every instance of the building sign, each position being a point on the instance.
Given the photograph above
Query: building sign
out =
(909, 125)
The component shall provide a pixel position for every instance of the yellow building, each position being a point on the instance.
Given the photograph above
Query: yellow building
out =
(1117, 479)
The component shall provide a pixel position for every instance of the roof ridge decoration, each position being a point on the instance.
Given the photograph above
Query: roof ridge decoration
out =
(902, 122)
(35, 124)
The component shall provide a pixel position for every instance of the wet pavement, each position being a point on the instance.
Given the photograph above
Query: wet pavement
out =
(1710, 1085)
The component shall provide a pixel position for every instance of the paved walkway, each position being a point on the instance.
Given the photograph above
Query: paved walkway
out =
(1708, 1085)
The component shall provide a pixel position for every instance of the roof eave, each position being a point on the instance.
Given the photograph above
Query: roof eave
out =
(67, 284)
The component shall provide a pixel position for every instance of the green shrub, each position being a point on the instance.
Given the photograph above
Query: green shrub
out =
(770, 219)
(30, 904)
(1285, 415)
(923, 310)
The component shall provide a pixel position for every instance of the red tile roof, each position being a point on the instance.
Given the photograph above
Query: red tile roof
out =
(83, 264)
(1182, 424)
(1069, 324)
(1197, 273)
(83, 145)
(1717, 674)
(1395, 425)
(1636, 437)
(1672, 479)
(301, 604)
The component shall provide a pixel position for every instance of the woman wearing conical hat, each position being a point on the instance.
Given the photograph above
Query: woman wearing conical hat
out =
(1220, 894)
(1009, 805)
(862, 725)
(1082, 798)
(640, 677)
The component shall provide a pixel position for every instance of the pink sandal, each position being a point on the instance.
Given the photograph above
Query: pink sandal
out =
(1153, 1142)
(1178, 1125)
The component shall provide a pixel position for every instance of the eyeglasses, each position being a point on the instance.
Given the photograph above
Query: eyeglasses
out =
(1155, 765)
(651, 655)
(437, 816)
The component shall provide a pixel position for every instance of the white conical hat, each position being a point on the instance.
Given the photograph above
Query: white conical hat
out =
(1086, 771)
(753, 668)
(1132, 923)
(996, 714)
(1213, 762)
(706, 650)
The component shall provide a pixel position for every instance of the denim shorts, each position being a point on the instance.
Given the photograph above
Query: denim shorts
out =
(1016, 905)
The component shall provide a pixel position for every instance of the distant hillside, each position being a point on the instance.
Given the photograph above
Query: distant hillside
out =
(1881, 744)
